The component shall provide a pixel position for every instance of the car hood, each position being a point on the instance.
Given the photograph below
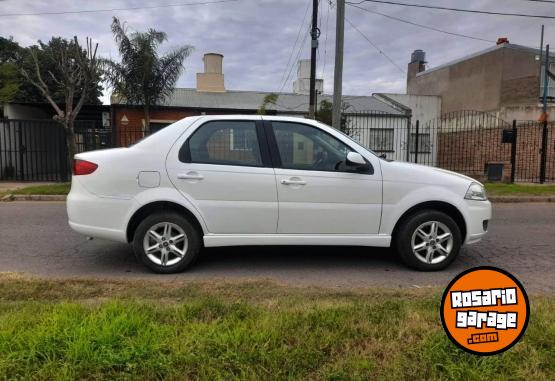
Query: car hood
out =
(410, 172)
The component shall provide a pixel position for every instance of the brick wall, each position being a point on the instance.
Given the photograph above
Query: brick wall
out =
(470, 152)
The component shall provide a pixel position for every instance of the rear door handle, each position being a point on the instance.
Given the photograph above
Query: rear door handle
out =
(293, 182)
(190, 176)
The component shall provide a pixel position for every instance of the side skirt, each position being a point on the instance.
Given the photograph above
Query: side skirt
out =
(375, 240)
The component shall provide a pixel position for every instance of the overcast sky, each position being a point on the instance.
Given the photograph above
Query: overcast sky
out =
(257, 37)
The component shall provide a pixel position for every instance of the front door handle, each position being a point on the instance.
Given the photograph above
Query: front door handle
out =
(190, 176)
(293, 181)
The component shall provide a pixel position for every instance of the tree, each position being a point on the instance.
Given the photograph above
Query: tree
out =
(9, 82)
(13, 85)
(143, 77)
(325, 111)
(10, 78)
(77, 70)
(268, 100)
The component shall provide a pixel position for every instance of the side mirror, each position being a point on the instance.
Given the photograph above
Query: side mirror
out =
(356, 160)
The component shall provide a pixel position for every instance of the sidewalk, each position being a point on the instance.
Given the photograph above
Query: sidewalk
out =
(13, 185)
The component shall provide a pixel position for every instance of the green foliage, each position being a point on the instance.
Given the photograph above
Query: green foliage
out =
(9, 82)
(10, 51)
(21, 90)
(325, 112)
(10, 78)
(269, 99)
(126, 330)
(143, 77)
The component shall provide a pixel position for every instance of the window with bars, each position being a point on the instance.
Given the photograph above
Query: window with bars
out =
(381, 139)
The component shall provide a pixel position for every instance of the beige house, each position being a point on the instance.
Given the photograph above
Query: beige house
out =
(503, 80)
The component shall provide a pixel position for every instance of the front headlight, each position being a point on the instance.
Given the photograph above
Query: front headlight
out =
(476, 192)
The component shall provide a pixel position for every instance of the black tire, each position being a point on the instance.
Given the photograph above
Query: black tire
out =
(191, 251)
(408, 227)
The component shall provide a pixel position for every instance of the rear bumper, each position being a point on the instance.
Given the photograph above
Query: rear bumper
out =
(95, 216)
(479, 214)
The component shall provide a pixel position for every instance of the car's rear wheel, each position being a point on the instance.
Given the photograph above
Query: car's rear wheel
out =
(428, 240)
(166, 242)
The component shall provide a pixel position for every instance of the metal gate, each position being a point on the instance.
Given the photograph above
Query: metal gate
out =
(32, 150)
(35, 150)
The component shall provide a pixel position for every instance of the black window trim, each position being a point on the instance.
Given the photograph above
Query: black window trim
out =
(184, 154)
(276, 158)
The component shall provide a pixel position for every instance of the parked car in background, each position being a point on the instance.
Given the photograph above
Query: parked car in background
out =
(265, 180)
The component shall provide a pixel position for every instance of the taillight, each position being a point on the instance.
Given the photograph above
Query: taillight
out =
(83, 167)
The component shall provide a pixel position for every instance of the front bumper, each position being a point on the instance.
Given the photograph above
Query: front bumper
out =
(479, 214)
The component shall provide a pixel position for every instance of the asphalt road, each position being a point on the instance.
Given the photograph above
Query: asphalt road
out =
(35, 239)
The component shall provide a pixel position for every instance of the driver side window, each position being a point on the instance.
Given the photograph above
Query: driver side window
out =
(308, 148)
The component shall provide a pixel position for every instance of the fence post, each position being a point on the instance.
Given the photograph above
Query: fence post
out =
(409, 122)
(513, 153)
(543, 153)
(416, 142)
(20, 147)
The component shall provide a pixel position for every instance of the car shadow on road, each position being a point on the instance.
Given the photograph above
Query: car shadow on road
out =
(289, 263)
(296, 257)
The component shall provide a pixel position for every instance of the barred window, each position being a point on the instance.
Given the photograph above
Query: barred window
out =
(381, 139)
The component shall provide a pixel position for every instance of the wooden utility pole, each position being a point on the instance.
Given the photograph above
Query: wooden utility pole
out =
(338, 69)
(547, 77)
(541, 53)
(315, 33)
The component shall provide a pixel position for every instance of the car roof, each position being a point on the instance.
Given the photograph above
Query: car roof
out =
(256, 117)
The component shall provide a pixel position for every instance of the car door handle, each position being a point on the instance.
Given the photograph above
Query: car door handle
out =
(293, 182)
(190, 176)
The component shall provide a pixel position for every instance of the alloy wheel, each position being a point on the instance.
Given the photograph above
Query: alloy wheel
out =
(432, 242)
(165, 244)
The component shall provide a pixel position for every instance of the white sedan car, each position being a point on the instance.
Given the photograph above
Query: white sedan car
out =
(265, 180)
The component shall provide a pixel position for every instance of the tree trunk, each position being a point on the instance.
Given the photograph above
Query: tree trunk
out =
(70, 141)
(147, 118)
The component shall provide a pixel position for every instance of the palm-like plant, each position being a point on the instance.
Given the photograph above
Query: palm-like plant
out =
(143, 77)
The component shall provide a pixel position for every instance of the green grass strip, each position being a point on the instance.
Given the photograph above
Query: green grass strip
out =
(66, 330)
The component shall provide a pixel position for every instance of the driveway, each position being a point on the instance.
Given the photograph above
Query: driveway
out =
(35, 239)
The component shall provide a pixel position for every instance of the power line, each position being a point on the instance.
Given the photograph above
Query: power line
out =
(375, 46)
(452, 9)
(294, 46)
(301, 48)
(114, 9)
(421, 25)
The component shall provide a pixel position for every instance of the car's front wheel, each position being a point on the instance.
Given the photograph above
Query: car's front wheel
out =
(166, 242)
(428, 240)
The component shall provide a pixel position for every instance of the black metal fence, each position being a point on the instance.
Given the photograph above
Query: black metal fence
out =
(473, 143)
(35, 150)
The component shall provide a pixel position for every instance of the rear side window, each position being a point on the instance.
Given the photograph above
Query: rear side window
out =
(224, 143)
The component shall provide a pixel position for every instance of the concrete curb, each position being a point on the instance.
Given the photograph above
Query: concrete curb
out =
(60, 197)
(34, 197)
(521, 199)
